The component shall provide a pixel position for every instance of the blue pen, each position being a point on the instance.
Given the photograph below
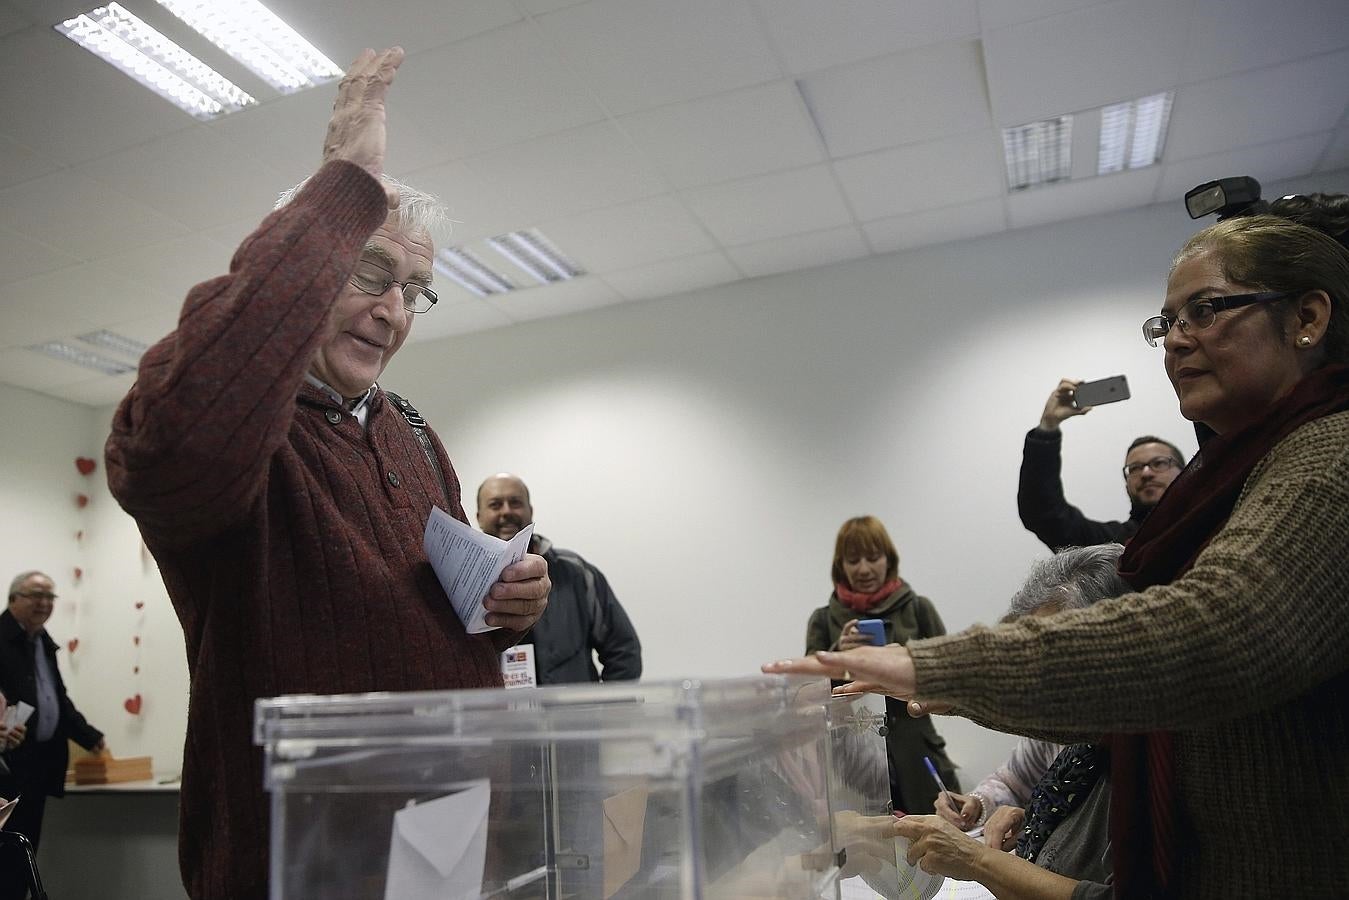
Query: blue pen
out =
(937, 778)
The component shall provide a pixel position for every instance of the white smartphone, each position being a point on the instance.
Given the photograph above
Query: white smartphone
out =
(1095, 393)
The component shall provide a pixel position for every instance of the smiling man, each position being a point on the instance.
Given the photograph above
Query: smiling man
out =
(284, 493)
(1150, 465)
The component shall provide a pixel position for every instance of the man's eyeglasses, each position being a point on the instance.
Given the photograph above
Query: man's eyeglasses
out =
(1157, 464)
(375, 280)
(1200, 313)
(36, 595)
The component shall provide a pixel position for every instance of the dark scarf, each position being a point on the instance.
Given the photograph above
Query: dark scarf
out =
(859, 602)
(1145, 831)
(1070, 778)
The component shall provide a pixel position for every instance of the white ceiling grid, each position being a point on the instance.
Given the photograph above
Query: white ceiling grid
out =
(666, 145)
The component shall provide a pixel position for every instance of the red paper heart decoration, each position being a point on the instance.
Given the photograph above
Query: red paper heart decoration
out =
(79, 573)
(81, 500)
(73, 644)
(140, 604)
(133, 705)
(136, 640)
(85, 465)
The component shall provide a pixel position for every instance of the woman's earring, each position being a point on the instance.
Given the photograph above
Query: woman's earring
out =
(1304, 341)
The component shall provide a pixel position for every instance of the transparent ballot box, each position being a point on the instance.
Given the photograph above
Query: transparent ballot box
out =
(739, 789)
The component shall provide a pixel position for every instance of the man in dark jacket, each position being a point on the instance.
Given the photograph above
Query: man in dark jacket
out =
(1150, 465)
(28, 674)
(583, 614)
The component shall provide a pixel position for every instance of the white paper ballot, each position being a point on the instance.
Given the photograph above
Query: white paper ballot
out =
(468, 562)
(18, 714)
(914, 883)
(439, 847)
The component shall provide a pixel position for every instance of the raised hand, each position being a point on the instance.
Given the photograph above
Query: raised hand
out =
(357, 131)
(1059, 406)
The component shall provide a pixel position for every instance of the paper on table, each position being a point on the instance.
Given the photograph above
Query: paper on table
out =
(468, 563)
(439, 847)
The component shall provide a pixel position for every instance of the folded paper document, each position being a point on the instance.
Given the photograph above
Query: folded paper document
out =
(439, 847)
(468, 563)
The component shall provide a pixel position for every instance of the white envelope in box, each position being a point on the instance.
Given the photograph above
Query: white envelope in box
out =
(439, 847)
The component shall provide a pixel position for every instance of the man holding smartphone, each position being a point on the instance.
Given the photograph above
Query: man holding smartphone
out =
(1150, 465)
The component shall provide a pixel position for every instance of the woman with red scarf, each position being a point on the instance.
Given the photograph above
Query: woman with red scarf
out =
(1224, 680)
(867, 586)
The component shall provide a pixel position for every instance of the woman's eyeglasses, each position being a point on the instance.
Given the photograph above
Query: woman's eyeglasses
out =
(1201, 312)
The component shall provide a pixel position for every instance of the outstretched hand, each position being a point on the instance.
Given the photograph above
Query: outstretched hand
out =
(357, 130)
(1060, 406)
(877, 670)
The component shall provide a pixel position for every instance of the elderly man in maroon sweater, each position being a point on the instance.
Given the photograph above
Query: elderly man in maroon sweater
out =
(284, 496)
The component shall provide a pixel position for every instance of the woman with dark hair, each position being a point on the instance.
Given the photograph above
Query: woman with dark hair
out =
(1223, 677)
(867, 585)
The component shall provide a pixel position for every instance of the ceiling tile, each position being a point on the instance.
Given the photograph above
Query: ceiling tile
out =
(491, 90)
(746, 132)
(1092, 196)
(811, 35)
(1236, 35)
(769, 206)
(287, 132)
(21, 258)
(995, 14)
(906, 98)
(936, 226)
(571, 171)
(538, 7)
(24, 324)
(341, 29)
(169, 269)
(147, 329)
(1298, 98)
(39, 372)
(620, 237)
(932, 175)
(1337, 154)
(87, 293)
(468, 316)
(636, 54)
(101, 390)
(799, 251)
(673, 276)
(195, 176)
(557, 299)
(19, 163)
(74, 214)
(12, 19)
(1084, 59)
(477, 207)
(1266, 162)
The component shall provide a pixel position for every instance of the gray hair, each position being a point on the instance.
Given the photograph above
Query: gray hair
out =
(21, 578)
(1073, 578)
(417, 210)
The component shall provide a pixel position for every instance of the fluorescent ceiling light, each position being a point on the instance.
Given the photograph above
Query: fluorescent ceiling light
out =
(253, 35)
(1133, 133)
(117, 36)
(1038, 152)
(464, 268)
(116, 343)
(537, 255)
(81, 357)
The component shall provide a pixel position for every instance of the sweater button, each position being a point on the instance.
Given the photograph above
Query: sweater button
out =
(393, 478)
(333, 416)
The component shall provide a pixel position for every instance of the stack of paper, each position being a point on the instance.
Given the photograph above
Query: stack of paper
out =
(106, 770)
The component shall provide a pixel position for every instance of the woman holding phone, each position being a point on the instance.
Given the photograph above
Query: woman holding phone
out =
(868, 591)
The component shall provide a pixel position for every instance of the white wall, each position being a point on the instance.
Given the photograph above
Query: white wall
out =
(703, 449)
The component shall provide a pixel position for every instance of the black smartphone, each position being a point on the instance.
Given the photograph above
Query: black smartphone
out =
(1107, 390)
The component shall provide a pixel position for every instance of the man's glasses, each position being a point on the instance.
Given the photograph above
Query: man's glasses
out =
(1157, 464)
(36, 595)
(1200, 313)
(375, 280)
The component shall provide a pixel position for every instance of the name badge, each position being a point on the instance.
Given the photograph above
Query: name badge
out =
(517, 667)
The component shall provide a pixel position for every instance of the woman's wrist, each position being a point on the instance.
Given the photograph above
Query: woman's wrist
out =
(984, 807)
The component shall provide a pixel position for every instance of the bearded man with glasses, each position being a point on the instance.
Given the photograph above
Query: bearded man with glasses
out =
(1150, 465)
(284, 493)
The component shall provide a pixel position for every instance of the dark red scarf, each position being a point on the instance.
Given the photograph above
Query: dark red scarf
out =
(1145, 831)
(859, 602)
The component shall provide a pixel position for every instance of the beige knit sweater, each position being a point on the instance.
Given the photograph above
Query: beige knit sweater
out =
(1245, 658)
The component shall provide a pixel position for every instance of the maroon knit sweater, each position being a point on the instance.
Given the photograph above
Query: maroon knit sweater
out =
(289, 538)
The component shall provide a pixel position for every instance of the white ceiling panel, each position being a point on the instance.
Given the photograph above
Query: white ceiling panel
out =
(673, 276)
(935, 226)
(747, 132)
(477, 209)
(1298, 98)
(89, 292)
(539, 7)
(342, 28)
(1069, 200)
(491, 90)
(799, 251)
(636, 54)
(770, 206)
(446, 320)
(81, 217)
(26, 324)
(619, 237)
(99, 391)
(906, 98)
(167, 270)
(994, 14)
(557, 300)
(19, 163)
(12, 19)
(568, 172)
(21, 257)
(287, 132)
(811, 35)
(1280, 159)
(1231, 36)
(147, 329)
(932, 175)
(39, 372)
(1337, 154)
(1080, 60)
